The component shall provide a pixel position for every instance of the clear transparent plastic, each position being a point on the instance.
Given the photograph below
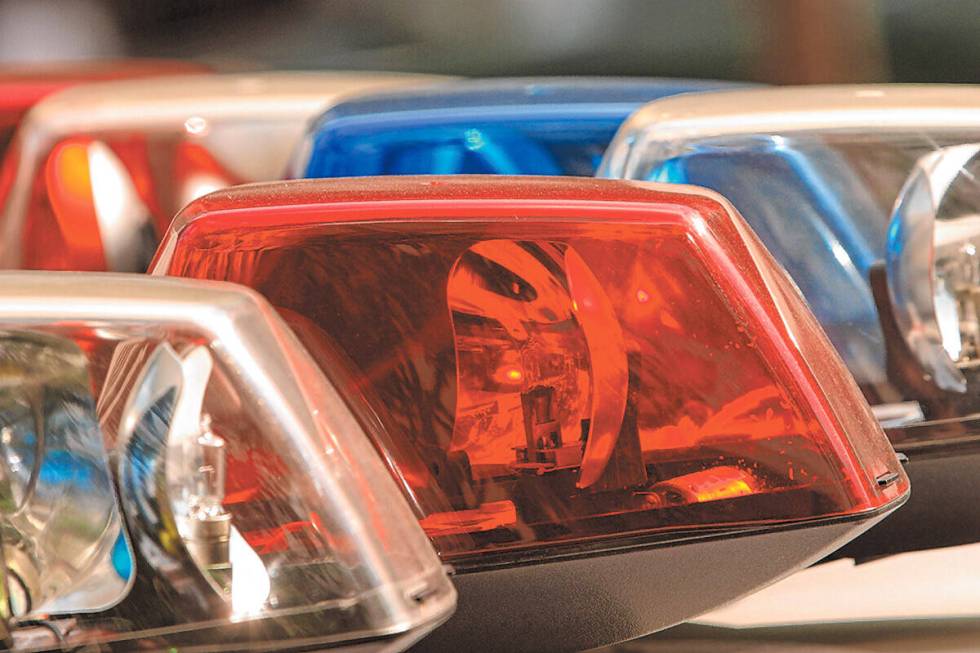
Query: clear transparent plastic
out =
(257, 512)
(933, 267)
(817, 174)
(97, 171)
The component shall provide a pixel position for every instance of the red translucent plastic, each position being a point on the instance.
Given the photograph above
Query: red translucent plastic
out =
(63, 230)
(64, 218)
(550, 361)
(23, 86)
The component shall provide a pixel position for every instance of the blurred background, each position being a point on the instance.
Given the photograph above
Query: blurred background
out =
(777, 41)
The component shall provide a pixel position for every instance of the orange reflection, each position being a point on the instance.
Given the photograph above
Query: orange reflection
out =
(758, 414)
(545, 350)
(535, 310)
(133, 151)
(102, 203)
(196, 172)
(714, 484)
(283, 537)
(248, 475)
(512, 310)
(86, 209)
(487, 517)
(610, 374)
(73, 219)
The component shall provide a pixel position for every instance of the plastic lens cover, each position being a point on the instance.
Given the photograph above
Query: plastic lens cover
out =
(816, 173)
(934, 236)
(549, 361)
(97, 172)
(96, 207)
(177, 472)
(64, 544)
(23, 85)
(544, 126)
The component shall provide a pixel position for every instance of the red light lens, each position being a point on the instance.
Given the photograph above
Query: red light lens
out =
(98, 204)
(8, 168)
(552, 361)
(8, 123)
(154, 145)
(23, 86)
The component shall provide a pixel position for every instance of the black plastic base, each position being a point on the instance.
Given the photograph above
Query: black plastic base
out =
(934, 635)
(942, 511)
(583, 603)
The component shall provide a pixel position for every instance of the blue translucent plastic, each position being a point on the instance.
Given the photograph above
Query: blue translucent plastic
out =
(519, 126)
(816, 216)
(122, 559)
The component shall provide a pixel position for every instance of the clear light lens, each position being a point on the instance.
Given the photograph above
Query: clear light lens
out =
(820, 201)
(104, 167)
(957, 279)
(933, 266)
(62, 531)
(816, 172)
(252, 509)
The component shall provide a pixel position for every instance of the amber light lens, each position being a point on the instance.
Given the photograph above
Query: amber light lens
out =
(577, 361)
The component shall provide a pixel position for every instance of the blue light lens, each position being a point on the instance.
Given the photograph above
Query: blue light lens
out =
(545, 127)
(816, 215)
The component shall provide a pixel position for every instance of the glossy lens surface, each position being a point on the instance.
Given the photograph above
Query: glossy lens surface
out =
(509, 127)
(556, 378)
(933, 269)
(64, 545)
(821, 203)
(100, 170)
(251, 508)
